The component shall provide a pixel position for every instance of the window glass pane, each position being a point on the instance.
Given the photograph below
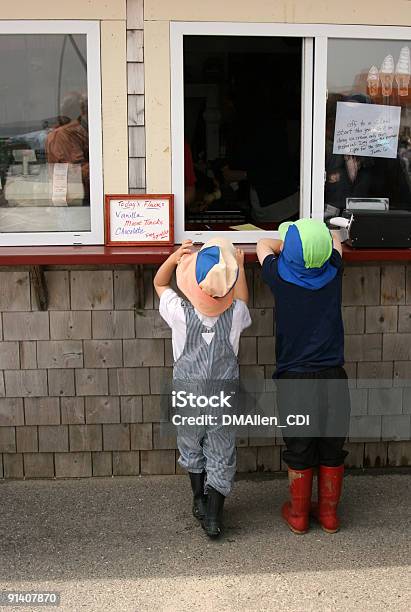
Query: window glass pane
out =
(44, 144)
(242, 122)
(368, 124)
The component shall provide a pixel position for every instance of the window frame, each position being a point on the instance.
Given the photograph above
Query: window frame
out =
(314, 88)
(177, 32)
(96, 234)
(366, 32)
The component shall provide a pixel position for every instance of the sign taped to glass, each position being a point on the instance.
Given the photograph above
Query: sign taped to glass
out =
(366, 130)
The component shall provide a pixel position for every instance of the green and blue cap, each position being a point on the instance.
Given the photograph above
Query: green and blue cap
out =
(305, 258)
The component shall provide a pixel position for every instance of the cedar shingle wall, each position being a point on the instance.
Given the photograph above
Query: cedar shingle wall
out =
(81, 384)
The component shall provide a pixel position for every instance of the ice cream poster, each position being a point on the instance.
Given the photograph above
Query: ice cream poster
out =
(367, 130)
(390, 72)
(139, 219)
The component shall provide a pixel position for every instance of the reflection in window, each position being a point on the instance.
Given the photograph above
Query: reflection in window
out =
(374, 72)
(242, 102)
(44, 143)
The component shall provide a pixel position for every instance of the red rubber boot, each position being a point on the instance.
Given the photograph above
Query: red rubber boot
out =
(329, 492)
(296, 512)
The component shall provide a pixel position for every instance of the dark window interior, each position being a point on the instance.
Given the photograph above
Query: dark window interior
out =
(242, 125)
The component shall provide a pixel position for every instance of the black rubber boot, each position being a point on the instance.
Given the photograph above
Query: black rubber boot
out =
(212, 523)
(199, 499)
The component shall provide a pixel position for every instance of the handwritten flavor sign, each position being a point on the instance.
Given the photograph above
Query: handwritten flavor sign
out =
(139, 219)
(368, 130)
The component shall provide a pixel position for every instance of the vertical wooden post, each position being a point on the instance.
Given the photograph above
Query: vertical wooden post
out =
(39, 283)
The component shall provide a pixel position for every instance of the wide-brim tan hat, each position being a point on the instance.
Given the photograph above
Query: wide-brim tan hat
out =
(207, 278)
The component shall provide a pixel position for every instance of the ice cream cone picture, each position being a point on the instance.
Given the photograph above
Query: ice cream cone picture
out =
(373, 81)
(387, 75)
(402, 71)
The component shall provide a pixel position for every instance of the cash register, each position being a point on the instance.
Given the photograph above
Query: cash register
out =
(371, 224)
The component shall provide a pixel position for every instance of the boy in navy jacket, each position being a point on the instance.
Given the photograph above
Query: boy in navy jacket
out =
(304, 272)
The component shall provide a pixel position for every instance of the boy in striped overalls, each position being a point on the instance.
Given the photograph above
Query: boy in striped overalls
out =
(206, 330)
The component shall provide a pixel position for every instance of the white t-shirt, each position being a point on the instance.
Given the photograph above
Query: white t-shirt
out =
(173, 314)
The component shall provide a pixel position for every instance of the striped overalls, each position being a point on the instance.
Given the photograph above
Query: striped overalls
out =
(207, 367)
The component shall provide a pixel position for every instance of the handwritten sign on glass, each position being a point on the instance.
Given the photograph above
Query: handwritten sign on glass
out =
(139, 219)
(368, 130)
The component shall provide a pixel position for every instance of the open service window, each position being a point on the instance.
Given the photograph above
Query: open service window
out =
(271, 122)
(51, 188)
(241, 127)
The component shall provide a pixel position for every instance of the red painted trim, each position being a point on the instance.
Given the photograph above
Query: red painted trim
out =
(107, 255)
(80, 255)
(354, 255)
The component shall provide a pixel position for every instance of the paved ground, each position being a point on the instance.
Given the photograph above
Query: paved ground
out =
(132, 544)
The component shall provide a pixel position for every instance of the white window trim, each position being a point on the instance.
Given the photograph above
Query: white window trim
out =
(325, 33)
(177, 32)
(96, 234)
(313, 116)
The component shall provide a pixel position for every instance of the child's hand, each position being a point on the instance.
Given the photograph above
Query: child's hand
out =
(239, 255)
(184, 249)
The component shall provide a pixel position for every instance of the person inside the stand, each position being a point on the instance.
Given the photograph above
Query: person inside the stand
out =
(304, 272)
(266, 156)
(68, 142)
(189, 176)
(200, 190)
(206, 326)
